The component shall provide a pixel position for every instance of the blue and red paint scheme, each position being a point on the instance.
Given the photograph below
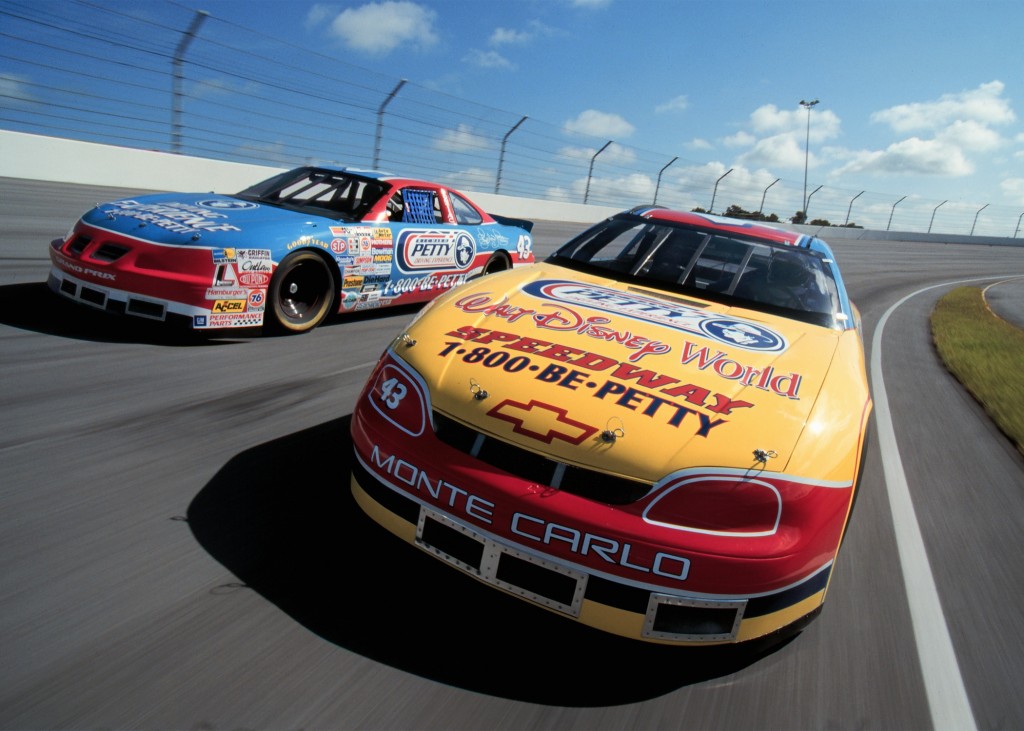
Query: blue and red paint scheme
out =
(287, 252)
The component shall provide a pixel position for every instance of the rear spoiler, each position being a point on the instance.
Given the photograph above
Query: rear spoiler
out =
(520, 222)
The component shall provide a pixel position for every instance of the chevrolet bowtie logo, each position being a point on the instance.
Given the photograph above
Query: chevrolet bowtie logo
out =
(541, 421)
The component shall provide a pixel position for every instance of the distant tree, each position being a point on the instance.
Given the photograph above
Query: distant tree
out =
(851, 225)
(698, 209)
(820, 222)
(735, 211)
(798, 217)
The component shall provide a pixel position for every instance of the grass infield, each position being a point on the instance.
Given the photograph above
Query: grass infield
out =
(986, 354)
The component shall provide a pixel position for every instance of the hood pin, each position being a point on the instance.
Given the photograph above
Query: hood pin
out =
(478, 392)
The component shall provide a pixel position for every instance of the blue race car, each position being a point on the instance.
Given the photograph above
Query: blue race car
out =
(285, 253)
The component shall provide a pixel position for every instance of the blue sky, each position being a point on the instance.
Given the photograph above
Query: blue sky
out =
(916, 97)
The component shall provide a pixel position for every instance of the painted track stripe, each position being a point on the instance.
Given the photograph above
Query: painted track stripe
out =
(948, 703)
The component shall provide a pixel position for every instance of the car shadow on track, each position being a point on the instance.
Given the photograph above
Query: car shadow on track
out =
(281, 517)
(35, 308)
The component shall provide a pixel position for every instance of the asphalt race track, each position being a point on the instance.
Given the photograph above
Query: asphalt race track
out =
(180, 549)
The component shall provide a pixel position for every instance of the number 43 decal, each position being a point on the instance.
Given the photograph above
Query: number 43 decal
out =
(392, 392)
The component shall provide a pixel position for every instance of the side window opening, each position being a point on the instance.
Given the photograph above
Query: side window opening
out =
(465, 214)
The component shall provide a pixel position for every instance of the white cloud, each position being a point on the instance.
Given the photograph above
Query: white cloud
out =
(503, 36)
(1013, 189)
(698, 143)
(614, 154)
(677, 104)
(769, 120)
(949, 129)
(983, 105)
(912, 156)
(627, 190)
(740, 139)
(13, 91)
(971, 135)
(318, 14)
(461, 139)
(380, 28)
(487, 60)
(784, 151)
(599, 124)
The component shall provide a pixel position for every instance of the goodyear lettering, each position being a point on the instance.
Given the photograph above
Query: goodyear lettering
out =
(308, 241)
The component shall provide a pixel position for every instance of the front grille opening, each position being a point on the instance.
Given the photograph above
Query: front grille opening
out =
(78, 244)
(519, 462)
(536, 579)
(109, 252)
(68, 287)
(527, 465)
(93, 297)
(602, 487)
(692, 619)
(142, 308)
(453, 433)
(460, 546)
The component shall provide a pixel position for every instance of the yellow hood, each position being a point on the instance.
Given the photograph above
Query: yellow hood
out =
(638, 382)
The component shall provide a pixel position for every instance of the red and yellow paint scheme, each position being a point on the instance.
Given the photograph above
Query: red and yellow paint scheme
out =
(285, 253)
(670, 457)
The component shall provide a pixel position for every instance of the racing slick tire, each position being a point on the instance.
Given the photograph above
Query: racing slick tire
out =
(302, 293)
(497, 263)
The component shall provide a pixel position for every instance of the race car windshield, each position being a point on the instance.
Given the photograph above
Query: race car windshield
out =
(325, 192)
(748, 272)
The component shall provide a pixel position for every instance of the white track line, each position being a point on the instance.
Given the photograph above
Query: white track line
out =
(947, 698)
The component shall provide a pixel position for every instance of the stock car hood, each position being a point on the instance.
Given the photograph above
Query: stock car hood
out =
(206, 219)
(569, 361)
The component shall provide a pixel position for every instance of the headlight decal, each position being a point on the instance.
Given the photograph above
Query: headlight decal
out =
(399, 394)
(735, 503)
(710, 503)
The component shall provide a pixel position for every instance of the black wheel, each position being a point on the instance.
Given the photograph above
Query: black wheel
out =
(301, 293)
(497, 263)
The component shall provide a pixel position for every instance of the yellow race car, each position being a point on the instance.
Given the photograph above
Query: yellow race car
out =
(657, 432)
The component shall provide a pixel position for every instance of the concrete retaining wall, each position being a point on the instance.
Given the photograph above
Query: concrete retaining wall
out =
(37, 157)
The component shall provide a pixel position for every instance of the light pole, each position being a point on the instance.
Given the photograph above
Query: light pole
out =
(807, 148)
